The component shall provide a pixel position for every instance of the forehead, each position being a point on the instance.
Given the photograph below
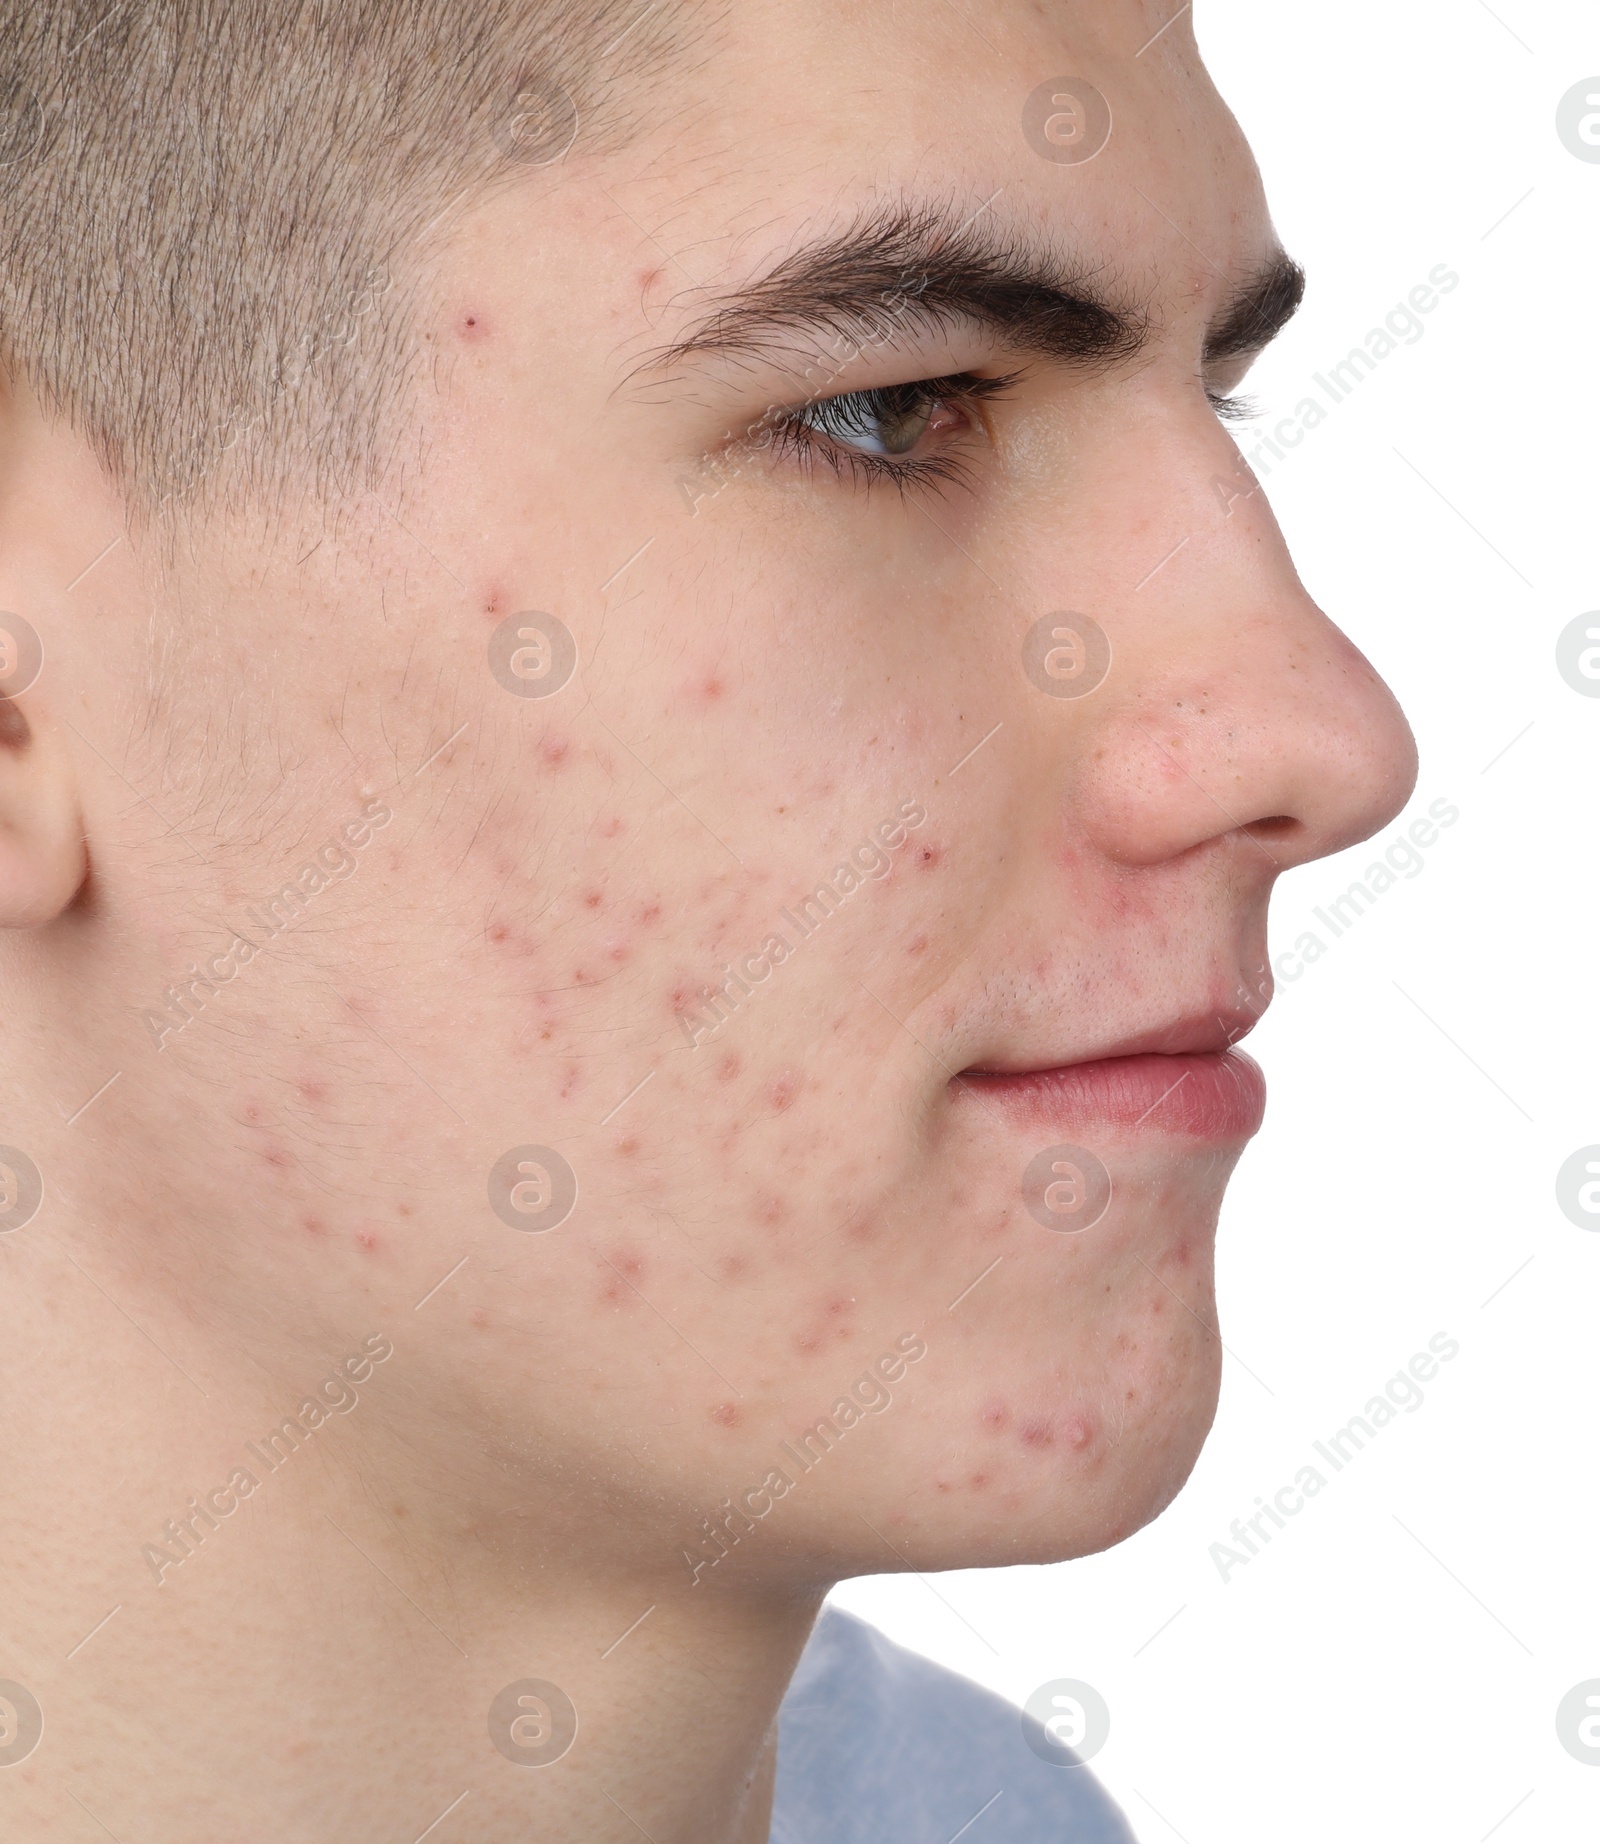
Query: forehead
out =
(807, 112)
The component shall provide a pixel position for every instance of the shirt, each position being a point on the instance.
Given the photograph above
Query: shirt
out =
(876, 1743)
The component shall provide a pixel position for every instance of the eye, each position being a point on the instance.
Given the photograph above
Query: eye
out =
(905, 432)
(892, 421)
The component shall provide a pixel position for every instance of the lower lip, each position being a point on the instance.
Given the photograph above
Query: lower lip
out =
(1217, 1096)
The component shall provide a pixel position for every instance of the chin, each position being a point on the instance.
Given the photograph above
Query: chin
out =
(1050, 1489)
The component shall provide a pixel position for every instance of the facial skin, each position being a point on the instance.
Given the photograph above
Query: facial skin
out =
(773, 663)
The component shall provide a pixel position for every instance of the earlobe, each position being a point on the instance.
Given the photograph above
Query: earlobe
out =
(44, 859)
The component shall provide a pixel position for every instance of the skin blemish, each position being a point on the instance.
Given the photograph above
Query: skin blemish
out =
(499, 932)
(650, 913)
(554, 750)
(1036, 1431)
(473, 328)
(770, 1208)
(594, 899)
(782, 1092)
(611, 827)
(917, 945)
(279, 1156)
(368, 1238)
(729, 1067)
(995, 1415)
(726, 1415)
(570, 1081)
(314, 1226)
(931, 856)
(733, 1267)
(628, 1146)
(312, 1090)
(1077, 1433)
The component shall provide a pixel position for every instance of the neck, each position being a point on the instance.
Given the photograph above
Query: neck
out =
(318, 1652)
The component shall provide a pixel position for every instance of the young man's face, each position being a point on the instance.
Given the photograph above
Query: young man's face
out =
(863, 654)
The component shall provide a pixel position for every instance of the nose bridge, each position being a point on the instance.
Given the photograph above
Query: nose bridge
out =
(1233, 700)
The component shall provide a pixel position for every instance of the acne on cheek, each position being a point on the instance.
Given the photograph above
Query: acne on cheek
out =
(1072, 1433)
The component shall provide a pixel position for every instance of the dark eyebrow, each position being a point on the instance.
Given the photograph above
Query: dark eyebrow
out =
(1259, 311)
(921, 266)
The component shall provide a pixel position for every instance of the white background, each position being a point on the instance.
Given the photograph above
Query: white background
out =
(1390, 1667)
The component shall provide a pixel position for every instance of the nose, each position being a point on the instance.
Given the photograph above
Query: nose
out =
(1233, 707)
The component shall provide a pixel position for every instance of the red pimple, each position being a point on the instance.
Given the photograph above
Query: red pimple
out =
(782, 1093)
(554, 750)
(368, 1239)
(473, 328)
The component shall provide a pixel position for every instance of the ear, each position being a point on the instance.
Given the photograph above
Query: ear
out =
(43, 858)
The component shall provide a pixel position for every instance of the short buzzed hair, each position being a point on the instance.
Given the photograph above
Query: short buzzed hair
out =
(213, 212)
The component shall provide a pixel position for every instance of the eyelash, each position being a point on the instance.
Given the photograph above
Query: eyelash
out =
(1234, 409)
(803, 433)
(797, 434)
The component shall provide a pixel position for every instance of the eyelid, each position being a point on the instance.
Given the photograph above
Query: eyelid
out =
(797, 435)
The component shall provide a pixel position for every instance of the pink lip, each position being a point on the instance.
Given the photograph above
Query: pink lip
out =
(1207, 1095)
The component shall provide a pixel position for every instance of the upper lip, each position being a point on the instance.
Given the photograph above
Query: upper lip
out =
(1195, 1032)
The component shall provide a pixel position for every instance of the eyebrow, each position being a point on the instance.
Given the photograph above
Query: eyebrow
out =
(920, 266)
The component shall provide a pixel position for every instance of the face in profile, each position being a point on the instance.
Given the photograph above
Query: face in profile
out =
(715, 909)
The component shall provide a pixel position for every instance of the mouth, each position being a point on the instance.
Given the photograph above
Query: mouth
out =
(1200, 1087)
